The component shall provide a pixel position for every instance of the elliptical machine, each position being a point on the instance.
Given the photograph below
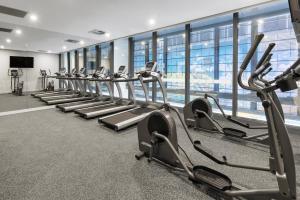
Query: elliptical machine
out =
(157, 137)
(199, 115)
(15, 84)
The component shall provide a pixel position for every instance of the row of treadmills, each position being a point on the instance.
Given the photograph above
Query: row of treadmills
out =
(92, 95)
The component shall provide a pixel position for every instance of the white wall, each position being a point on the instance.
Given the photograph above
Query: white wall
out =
(31, 79)
(121, 58)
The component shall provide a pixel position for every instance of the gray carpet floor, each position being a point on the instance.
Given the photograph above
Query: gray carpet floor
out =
(10, 102)
(52, 155)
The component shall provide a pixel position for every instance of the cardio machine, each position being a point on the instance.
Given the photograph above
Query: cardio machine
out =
(119, 104)
(15, 84)
(199, 115)
(131, 117)
(78, 88)
(62, 91)
(157, 137)
(47, 87)
(99, 76)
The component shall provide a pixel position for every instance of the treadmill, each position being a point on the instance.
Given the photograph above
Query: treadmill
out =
(64, 90)
(131, 117)
(99, 76)
(118, 105)
(79, 88)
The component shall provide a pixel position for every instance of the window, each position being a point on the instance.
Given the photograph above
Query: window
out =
(171, 57)
(277, 29)
(65, 60)
(80, 58)
(142, 53)
(105, 62)
(91, 59)
(72, 60)
(211, 63)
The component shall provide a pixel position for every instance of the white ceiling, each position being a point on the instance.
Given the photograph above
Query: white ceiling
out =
(59, 20)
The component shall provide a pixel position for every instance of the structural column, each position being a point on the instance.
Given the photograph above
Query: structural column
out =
(235, 66)
(187, 62)
(154, 59)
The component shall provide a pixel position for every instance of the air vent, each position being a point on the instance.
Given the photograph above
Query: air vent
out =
(12, 12)
(72, 41)
(97, 32)
(6, 30)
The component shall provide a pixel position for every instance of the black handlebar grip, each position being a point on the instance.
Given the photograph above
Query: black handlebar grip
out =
(288, 70)
(266, 53)
(251, 52)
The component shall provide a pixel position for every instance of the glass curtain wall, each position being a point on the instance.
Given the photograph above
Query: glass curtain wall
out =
(80, 58)
(72, 60)
(211, 58)
(91, 63)
(142, 53)
(105, 62)
(278, 29)
(211, 63)
(65, 60)
(171, 60)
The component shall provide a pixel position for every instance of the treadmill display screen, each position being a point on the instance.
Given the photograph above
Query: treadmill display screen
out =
(150, 66)
(121, 68)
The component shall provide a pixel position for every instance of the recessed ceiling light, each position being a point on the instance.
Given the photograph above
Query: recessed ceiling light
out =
(143, 43)
(18, 31)
(33, 17)
(2, 47)
(260, 21)
(8, 40)
(183, 35)
(107, 35)
(206, 44)
(64, 47)
(81, 42)
(49, 51)
(152, 22)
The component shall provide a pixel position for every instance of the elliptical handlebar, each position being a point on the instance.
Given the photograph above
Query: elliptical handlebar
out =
(265, 56)
(247, 60)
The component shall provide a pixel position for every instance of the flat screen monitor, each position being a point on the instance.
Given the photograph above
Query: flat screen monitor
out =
(21, 62)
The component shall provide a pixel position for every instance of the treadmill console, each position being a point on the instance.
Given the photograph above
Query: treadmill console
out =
(61, 72)
(99, 70)
(151, 66)
(81, 72)
(43, 72)
(122, 69)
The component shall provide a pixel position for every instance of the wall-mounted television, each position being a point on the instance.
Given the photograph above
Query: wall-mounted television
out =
(21, 62)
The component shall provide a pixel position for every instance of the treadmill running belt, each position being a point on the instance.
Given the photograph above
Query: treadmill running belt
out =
(115, 119)
(94, 109)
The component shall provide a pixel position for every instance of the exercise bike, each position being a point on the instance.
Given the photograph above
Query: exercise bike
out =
(157, 137)
(15, 84)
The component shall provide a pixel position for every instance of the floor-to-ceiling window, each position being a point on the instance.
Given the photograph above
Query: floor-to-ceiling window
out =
(80, 58)
(65, 60)
(171, 60)
(277, 29)
(142, 53)
(105, 62)
(91, 63)
(211, 60)
(72, 60)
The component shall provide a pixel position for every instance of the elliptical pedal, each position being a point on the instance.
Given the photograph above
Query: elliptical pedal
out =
(211, 177)
(234, 132)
